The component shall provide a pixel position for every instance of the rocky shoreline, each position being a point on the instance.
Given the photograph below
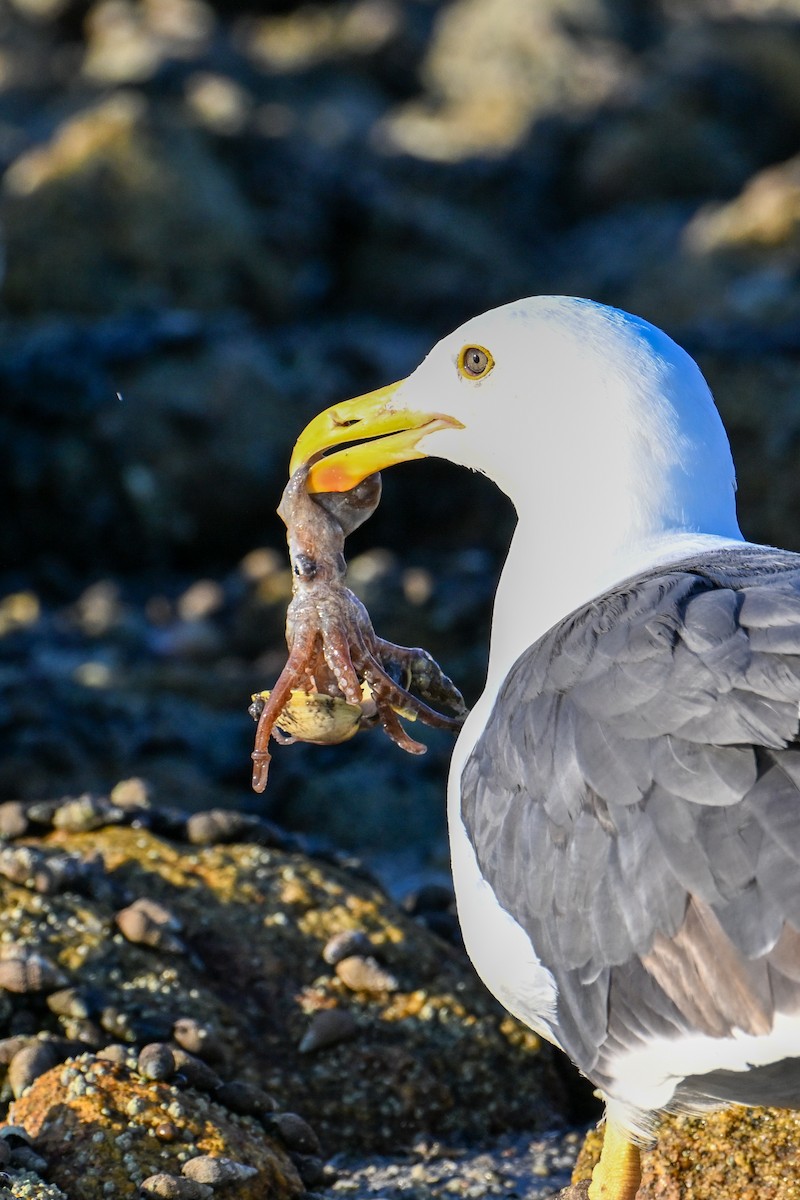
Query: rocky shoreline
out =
(215, 219)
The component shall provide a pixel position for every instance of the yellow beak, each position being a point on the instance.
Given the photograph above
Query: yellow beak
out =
(377, 436)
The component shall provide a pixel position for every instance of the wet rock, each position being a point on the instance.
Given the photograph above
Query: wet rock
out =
(432, 897)
(552, 57)
(42, 870)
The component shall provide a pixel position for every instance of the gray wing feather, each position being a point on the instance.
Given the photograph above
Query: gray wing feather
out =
(634, 802)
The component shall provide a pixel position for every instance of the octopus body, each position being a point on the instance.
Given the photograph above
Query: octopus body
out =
(340, 676)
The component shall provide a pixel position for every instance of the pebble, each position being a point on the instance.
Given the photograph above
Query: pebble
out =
(130, 794)
(15, 1135)
(310, 1168)
(156, 1061)
(194, 1072)
(42, 811)
(173, 1187)
(198, 1039)
(84, 813)
(13, 819)
(18, 863)
(148, 923)
(217, 1171)
(29, 1063)
(346, 943)
(326, 1028)
(23, 970)
(44, 872)
(365, 974)
(217, 825)
(69, 1002)
(296, 1132)
(245, 1098)
(10, 1045)
(26, 1159)
(135, 1026)
(115, 1052)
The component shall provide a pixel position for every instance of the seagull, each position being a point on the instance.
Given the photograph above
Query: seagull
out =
(624, 799)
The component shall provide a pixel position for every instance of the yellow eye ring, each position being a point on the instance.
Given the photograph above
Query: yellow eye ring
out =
(474, 362)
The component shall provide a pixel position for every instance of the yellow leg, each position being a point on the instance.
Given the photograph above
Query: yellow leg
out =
(618, 1173)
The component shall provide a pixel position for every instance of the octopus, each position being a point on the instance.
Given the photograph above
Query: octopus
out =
(341, 677)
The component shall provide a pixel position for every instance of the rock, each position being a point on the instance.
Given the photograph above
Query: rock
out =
(24, 970)
(255, 921)
(194, 1072)
(296, 1133)
(29, 1063)
(328, 1027)
(13, 819)
(174, 231)
(365, 974)
(549, 57)
(741, 1152)
(198, 1039)
(345, 943)
(760, 226)
(156, 1061)
(173, 1187)
(217, 1170)
(150, 924)
(94, 1128)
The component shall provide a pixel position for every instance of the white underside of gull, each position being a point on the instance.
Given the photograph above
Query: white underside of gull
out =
(647, 1078)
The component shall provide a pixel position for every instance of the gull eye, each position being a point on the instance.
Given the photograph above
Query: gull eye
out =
(474, 362)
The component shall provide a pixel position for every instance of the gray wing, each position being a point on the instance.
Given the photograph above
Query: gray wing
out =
(634, 802)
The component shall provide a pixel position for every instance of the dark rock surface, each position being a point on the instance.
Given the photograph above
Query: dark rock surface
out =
(217, 218)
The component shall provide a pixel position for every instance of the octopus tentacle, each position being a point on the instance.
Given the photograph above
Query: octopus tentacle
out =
(333, 648)
(274, 706)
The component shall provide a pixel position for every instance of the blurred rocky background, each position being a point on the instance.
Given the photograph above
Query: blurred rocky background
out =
(216, 218)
